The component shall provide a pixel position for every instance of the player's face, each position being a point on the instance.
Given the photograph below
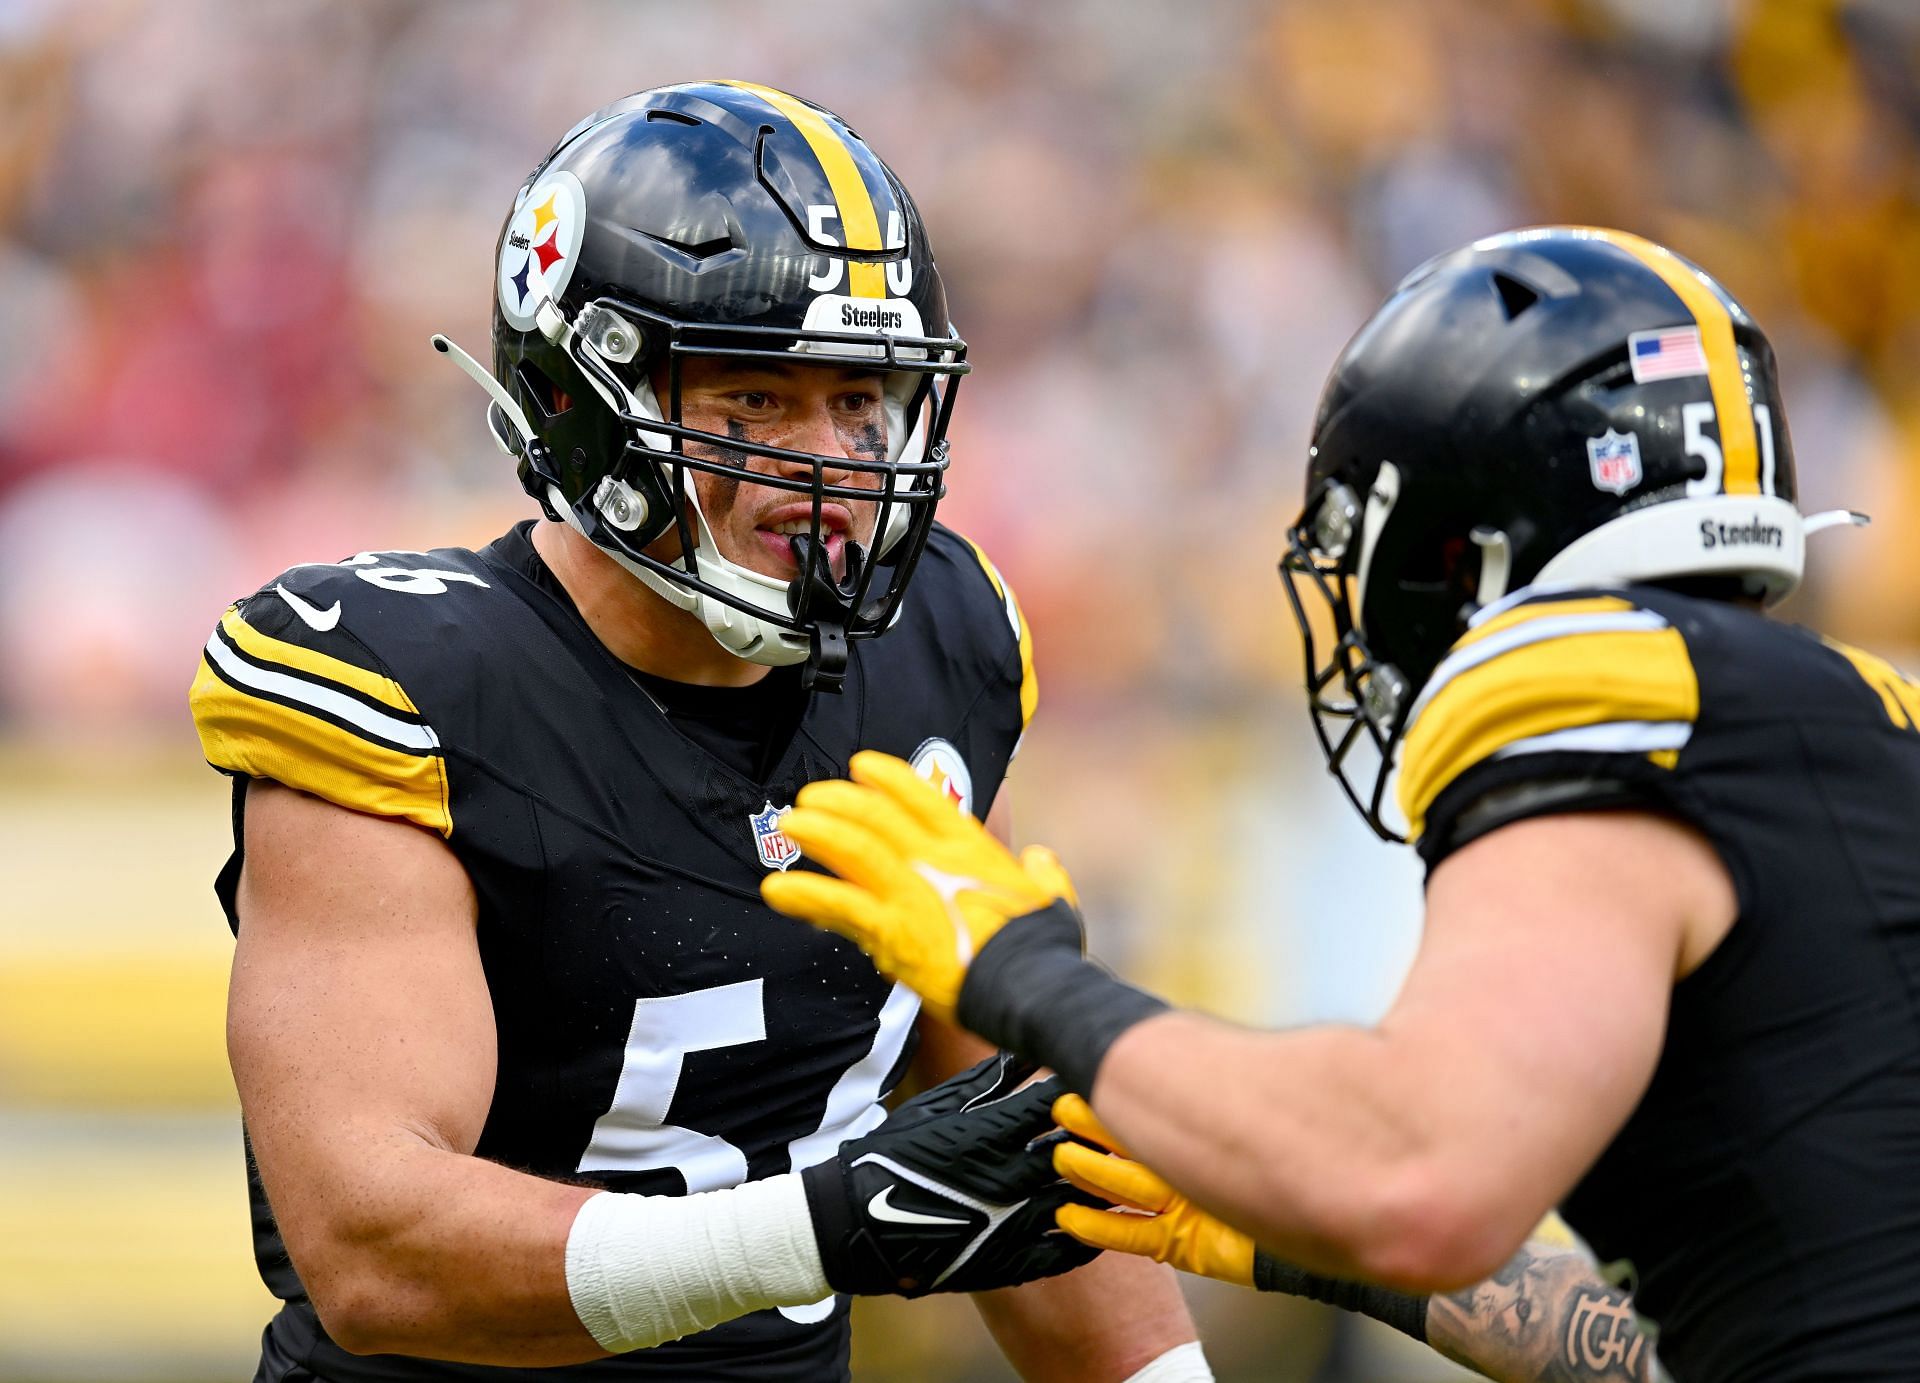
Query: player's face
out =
(829, 411)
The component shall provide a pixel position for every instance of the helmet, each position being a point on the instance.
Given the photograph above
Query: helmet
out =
(1553, 406)
(731, 221)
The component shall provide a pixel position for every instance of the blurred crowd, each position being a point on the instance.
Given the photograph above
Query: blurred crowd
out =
(227, 231)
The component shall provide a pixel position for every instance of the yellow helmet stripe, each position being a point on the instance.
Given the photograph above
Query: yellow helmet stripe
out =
(1732, 404)
(858, 219)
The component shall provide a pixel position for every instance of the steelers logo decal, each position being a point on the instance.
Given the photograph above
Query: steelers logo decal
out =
(940, 763)
(543, 241)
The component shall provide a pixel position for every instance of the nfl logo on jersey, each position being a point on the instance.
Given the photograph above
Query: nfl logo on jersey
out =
(776, 851)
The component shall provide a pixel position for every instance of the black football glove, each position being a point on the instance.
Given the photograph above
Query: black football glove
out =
(948, 1195)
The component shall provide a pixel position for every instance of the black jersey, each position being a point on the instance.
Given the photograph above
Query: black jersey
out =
(660, 1030)
(1764, 1198)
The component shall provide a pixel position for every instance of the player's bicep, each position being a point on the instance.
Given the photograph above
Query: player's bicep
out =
(358, 1021)
(1542, 986)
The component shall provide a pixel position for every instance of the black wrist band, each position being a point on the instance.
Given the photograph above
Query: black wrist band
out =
(849, 1256)
(1401, 1310)
(833, 1223)
(1031, 991)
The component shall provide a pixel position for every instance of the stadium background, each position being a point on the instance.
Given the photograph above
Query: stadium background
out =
(227, 230)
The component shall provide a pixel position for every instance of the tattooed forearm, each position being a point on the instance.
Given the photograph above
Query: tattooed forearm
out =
(1543, 1318)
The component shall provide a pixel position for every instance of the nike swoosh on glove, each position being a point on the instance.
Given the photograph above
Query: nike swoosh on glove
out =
(949, 1195)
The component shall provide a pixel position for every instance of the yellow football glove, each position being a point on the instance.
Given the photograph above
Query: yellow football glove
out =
(922, 885)
(1174, 1231)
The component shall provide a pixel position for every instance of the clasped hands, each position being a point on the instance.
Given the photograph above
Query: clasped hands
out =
(922, 887)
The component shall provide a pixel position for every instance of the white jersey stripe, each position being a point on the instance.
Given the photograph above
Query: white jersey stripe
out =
(1609, 737)
(1521, 597)
(416, 737)
(1533, 631)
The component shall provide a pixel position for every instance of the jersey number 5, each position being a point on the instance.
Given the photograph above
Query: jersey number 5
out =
(634, 1135)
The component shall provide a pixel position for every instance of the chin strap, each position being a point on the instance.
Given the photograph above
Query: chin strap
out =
(815, 590)
(1496, 563)
(826, 666)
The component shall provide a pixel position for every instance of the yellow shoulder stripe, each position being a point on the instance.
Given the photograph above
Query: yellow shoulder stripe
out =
(1629, 689)
(271, 650)
(1017, 618)
(264, 739)
(1898, 696)
(858, 219)
(1029, 684)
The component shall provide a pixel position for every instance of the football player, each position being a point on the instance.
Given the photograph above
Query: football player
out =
(530, 1075)
(1668, 974)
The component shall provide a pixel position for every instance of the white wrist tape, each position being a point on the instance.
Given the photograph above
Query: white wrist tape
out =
(1182, 1364)
(642, 1270)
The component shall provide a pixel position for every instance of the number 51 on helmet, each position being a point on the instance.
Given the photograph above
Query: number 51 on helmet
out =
(1556, 406)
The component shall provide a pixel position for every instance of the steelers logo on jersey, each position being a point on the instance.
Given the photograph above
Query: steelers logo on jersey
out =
(541, 245)
(940, 763)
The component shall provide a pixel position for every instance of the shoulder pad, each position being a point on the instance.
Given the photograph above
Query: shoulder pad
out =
(970, 553)
(1579, 672)
(1899, 695)
(287, 690)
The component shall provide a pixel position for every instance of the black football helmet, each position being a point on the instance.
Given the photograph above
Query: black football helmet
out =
(1558, 406)
(732, 221)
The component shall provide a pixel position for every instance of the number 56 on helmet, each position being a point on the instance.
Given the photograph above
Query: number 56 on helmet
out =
(733, 222)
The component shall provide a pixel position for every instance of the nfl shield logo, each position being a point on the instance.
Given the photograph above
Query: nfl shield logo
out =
(1614, 460)
(776, 851)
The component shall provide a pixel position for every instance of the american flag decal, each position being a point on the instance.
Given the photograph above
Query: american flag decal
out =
(1674, 353)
